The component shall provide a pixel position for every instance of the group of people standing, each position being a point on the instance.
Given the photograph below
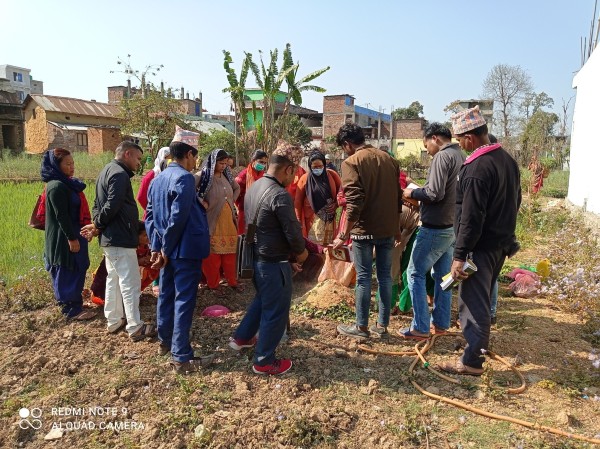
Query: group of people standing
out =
(468, 210)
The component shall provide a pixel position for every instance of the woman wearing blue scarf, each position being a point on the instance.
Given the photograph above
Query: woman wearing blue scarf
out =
(66, 251)
(218, 191)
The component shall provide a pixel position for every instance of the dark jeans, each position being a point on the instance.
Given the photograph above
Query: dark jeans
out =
(268, 313)
(68, 285)
(474, 304)
(176, 303)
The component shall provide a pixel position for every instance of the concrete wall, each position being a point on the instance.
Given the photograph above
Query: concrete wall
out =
(405, 147)
(585, 147)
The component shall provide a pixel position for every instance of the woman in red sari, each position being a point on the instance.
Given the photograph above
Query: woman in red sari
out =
(255, 170)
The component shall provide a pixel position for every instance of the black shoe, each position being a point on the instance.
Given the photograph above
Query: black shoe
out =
(493, 320)
(352, 330)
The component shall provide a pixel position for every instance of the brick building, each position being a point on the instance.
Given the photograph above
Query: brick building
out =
(70, 123)
(116, 94)
(341, 109)
(407, 137)
(11, 121)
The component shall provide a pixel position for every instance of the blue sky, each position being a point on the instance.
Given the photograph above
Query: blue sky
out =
(385, 53)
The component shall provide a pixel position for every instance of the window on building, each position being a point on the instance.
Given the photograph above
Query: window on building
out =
(21, 95)
(82, 139)
(18, 77)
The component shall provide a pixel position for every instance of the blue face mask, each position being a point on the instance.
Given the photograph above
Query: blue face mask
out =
(317, 171)
(259, 167)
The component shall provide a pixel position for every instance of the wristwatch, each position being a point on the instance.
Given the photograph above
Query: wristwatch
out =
(342, 236)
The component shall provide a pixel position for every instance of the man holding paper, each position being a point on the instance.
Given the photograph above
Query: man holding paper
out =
(488, 197)
(434, 242)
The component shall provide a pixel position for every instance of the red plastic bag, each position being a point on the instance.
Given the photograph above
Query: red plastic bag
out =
(525, 285)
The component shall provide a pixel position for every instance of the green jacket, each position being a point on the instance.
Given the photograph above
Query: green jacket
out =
(62, 225)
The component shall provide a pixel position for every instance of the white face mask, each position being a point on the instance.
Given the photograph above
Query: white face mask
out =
(317, 171)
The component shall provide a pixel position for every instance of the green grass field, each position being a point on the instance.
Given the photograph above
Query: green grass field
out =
(27, 166)
(21, 247)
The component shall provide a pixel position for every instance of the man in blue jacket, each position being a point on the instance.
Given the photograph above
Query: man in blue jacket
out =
(178, 231)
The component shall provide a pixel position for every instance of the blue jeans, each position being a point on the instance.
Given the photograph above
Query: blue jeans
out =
(176, 303)
(433, 248)
(494, 298)
(363, 262)
(269, 310)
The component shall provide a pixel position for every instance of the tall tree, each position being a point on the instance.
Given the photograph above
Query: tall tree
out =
(151, 114)
(295, 87)
(236, 89)
(414, 110)
(507, 85)
(270, 79)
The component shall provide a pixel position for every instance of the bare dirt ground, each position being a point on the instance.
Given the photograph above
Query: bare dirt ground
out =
(335, 396)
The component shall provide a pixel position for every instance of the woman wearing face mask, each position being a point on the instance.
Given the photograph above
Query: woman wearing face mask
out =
(217, 191)
(316, 200)
(255, 170)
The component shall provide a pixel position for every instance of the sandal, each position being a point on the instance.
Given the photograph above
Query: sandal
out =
(409, 335)
(238, 288)
(145, 331)
(459, 368)
(119, 327)
(84, 315)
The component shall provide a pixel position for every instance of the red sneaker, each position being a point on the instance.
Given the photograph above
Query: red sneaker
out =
(238, 344)
(279, 366)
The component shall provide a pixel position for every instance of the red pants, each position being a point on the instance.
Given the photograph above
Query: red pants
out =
(211, 267)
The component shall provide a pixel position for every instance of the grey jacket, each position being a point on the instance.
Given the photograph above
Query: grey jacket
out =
(438, 195)
(115, 211)
(278, 231)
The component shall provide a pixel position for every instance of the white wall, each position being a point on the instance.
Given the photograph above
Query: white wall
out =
(584, 178)
(24, 86)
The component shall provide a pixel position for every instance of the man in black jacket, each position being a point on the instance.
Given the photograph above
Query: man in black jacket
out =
(278, 236)
(488, 197)
(115, 221)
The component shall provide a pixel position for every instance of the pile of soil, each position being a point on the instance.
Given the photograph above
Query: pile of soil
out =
(328, 294)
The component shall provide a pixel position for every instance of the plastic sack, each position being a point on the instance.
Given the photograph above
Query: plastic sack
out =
(525, 285)
(521, 271)
(215, 311)
(185, 136)
(340, 271)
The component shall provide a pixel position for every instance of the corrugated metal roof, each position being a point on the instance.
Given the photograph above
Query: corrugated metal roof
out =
(9, 98)
(75, 106)
(207, 127)
(69, 126)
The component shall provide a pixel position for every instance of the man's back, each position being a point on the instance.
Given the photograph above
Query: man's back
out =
(278, 232)
(177, 216)
(115, 211)
(372, 190)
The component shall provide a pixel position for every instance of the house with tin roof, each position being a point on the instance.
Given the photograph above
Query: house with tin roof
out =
(70, 123)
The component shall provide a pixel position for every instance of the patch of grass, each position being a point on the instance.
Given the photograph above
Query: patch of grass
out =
(21, 247)
(27, 166)
(339, 312)
(302, 432)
